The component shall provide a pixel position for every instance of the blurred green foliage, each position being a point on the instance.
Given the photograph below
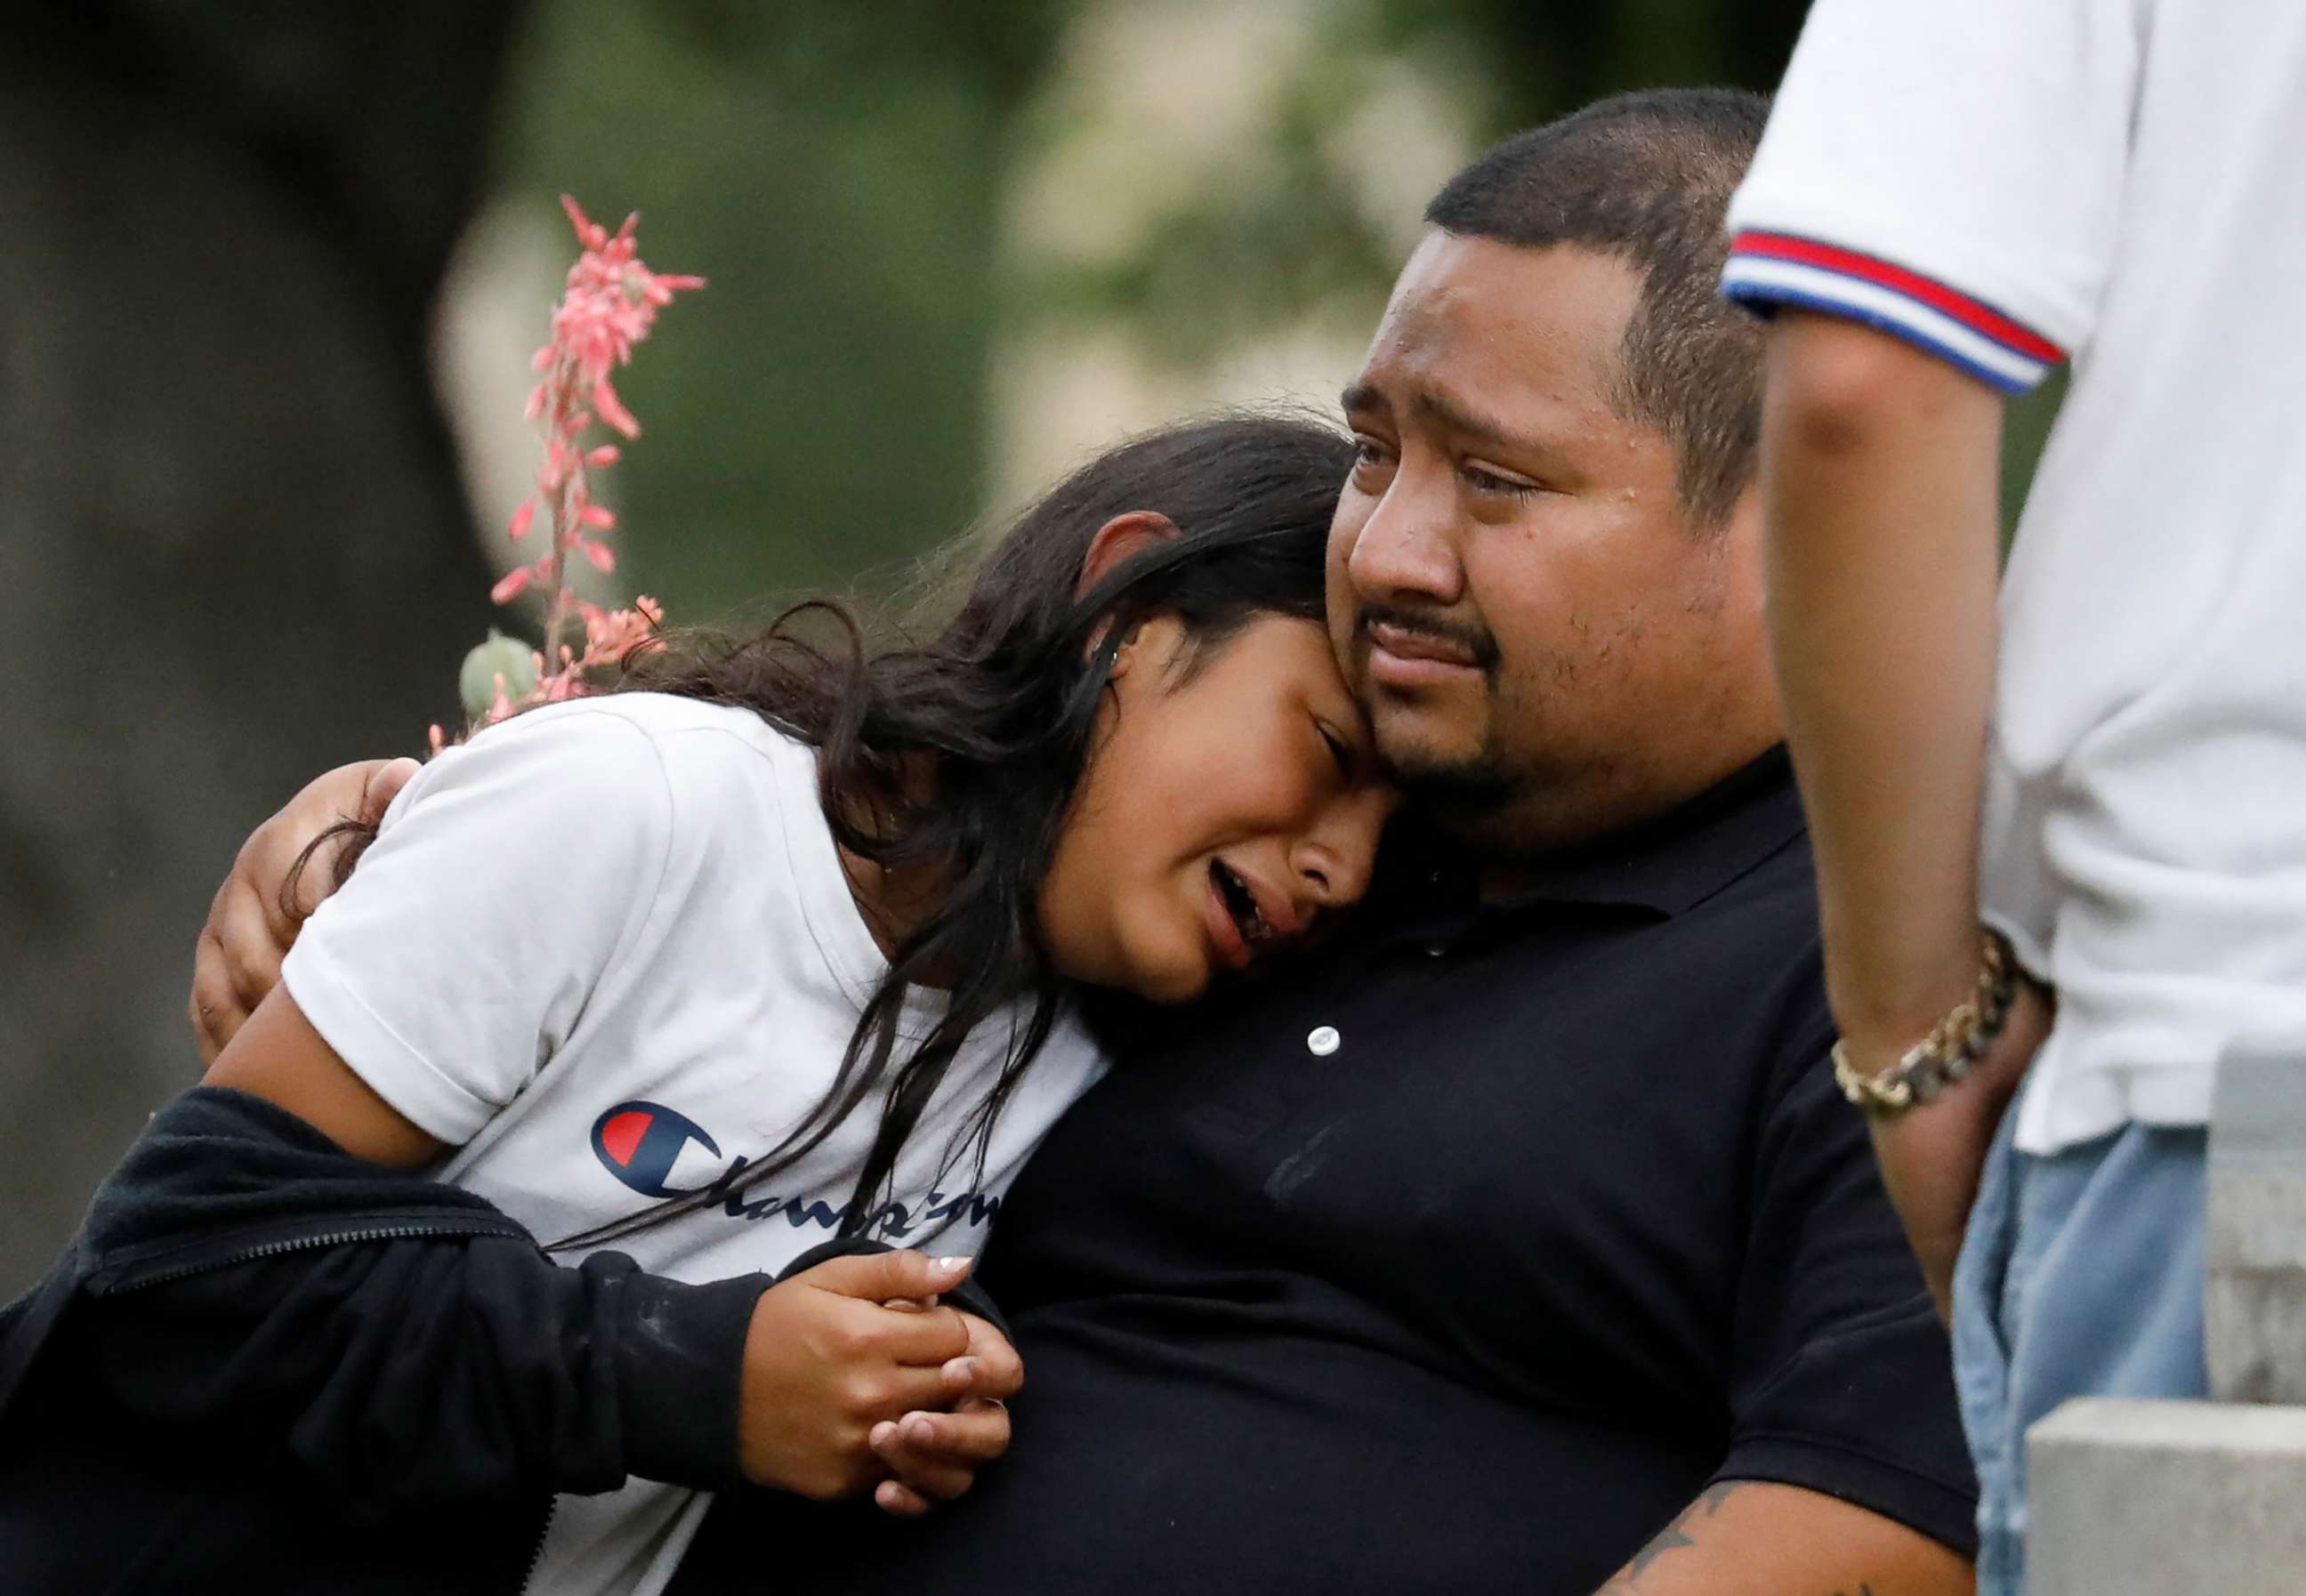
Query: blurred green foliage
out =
(834, 170)
(843, 175)
(2025, 429)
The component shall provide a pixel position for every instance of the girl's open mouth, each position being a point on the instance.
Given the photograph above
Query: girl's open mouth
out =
(1258, 934)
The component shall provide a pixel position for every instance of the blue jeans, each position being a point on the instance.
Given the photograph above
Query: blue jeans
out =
(2081, 1275)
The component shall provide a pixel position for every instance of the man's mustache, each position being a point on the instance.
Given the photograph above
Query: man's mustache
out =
(1476, 641)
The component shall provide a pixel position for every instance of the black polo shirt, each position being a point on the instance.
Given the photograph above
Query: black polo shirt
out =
(1463, 1262)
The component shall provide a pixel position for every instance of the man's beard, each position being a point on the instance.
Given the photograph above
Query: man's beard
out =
(1487, 797)
(1488, 801)
(1466, 783)
(1469, 785)
(1470, 791)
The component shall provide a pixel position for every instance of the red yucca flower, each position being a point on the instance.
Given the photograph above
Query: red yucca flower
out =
(610, 304)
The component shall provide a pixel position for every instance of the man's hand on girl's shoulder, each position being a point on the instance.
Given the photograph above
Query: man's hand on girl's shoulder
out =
(841, 1393)
(251, 921)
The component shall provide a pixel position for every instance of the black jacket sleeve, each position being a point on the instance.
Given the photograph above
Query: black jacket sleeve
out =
(408, 1342)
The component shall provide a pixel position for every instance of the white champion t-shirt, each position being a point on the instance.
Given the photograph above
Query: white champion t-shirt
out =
(2011, 183)
(607, 950)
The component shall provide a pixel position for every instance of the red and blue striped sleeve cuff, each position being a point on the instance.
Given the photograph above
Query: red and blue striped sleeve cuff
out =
(1768, 269)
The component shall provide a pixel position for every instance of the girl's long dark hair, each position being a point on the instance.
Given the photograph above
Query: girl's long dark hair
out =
(999, 712)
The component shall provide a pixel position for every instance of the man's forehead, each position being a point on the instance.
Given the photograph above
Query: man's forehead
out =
(1471, 316)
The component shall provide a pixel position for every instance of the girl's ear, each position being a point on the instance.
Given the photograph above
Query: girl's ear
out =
(1118, 541)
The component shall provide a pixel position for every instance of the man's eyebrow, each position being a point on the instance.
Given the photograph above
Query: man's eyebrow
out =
(1469, 424)
(1450, 414)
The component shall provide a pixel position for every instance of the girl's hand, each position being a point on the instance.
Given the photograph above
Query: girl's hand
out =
(934, 1457)
(825, 1363)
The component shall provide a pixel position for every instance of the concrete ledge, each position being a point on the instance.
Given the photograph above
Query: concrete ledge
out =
(2254, 1295)
(2166, 1499)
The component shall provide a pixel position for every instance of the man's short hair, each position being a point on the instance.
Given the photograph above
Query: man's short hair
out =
(1647, 177)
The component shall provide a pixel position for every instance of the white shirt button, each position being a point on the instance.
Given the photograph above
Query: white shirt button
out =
(1322, 1040)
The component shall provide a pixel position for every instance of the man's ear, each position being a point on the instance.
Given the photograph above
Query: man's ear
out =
(1118, 541)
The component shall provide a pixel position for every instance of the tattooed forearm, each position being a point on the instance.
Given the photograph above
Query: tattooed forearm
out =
(1789, 1541)
(1674, 1537)
(1668, 1539)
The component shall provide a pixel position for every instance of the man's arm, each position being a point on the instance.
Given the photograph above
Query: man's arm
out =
(251, 921)
(1754, 1538)
(1880, 480)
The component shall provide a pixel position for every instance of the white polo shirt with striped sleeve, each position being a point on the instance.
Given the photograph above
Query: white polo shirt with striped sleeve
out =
(2009, 183)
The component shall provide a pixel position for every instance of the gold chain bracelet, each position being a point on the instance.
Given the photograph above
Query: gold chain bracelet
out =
(1955, 1044)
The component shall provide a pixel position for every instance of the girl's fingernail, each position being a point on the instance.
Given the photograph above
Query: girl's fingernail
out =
(880, 1433)
(919, 1430)
(950, 1264)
